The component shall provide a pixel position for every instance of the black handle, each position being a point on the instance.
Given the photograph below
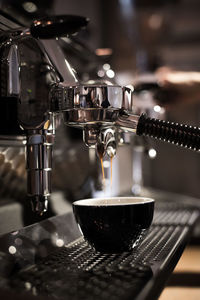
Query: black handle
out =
(56, 26)
(175, 133)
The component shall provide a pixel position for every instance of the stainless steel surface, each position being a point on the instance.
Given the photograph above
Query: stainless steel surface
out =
(27, 72)
(96, 108)
(57, 58)
(98, 101)
(101, 95)
(14, 78)
(102, 104)
(127, 121)
(39, 166)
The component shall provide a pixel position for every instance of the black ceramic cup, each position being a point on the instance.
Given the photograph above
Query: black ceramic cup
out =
(114, 225)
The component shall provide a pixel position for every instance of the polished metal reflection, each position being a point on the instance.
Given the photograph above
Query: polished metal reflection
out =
(27, 73)
(100, 104)
(14, 78)
(99, 95)
(107, 141)
(98, 109)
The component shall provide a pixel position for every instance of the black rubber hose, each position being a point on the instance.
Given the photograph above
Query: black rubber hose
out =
(175, 133)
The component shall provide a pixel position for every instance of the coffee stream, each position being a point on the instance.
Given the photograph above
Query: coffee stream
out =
(100, 151)
(103, 173)
(111, 163)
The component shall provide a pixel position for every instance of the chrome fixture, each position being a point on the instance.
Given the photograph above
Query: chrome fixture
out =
(96, 108)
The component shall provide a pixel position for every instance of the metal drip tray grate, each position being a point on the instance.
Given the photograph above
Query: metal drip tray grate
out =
(76, 271)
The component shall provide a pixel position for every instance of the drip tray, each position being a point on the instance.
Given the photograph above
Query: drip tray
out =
(76, 271)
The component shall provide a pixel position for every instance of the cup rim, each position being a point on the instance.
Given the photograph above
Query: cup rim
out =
(113, 201)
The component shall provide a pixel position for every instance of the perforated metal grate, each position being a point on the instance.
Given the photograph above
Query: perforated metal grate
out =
(76, 271)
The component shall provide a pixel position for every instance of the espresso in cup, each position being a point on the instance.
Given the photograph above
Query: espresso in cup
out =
(113, 225)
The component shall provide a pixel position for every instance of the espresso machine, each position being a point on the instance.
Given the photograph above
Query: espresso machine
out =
(40, 90)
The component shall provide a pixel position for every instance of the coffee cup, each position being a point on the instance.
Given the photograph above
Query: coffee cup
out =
(113, 225)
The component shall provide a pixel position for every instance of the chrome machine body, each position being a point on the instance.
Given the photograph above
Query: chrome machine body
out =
(28, 68)
(38, 86)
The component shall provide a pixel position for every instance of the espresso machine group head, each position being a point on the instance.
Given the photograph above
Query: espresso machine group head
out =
(38, 85)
